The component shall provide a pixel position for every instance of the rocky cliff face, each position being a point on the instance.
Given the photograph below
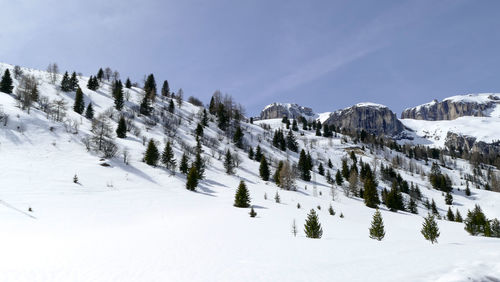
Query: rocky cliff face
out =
(279, 110)
(373, 118)
(470, 144)
(454, 107)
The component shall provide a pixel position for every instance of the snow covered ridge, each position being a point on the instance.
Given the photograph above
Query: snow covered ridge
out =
(121, 219)
(454, 107)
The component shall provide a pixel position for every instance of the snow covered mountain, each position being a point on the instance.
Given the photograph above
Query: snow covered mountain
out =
(69, 213)
(279, 110)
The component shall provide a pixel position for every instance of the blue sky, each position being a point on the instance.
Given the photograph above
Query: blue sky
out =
(322, 54)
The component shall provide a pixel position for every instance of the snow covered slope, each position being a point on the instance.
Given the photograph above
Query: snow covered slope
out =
(138, 223)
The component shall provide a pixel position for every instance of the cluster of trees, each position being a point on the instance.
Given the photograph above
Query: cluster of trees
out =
(476, 223)
(439, 180)
(69, 83)
(226, 110)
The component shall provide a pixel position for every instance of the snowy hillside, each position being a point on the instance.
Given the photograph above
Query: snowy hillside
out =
(128, 221)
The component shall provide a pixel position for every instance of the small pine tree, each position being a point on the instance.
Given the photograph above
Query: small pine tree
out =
(152, 155)
(79, 105)
(330, 210)
(264, 168)
(242, 197)
(118, 95)
(73, 82)
(338, 178)
(171, 106)
(377, 227)
(192, 179)
(199, 130)
(65, 83)
(495, 228)
(458, 216)
(258, 154)
(430, 229)
(341, 215)
(448, 199)
(434, 208)
(229, 163)
(330, 165)
(128, 83)
(298, 205)
(238, 137)
(412, 206)
(251, 154)
(449, 215)
(252, 213)
(467, 189)
(321, 169)
(89, 112)
(121, 130)
(294, 229)
(167, 157)
(75, 179)
(6, 85)
(184, 165)
(277, 198)
(312, 227)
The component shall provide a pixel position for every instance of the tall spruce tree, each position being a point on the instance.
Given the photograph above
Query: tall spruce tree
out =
(118, 95)
(377, 226)
(291, 142)
(312, 227)
(242, 197)
(199, 163)
(449, 215)
(304, 166)
(128, 83)
(150, 87)
(152, 155)
(6, 85)
(100, 74)
(264, 169)
(338, 178)
(258, 153)
(79, 105)
(430, 229)
(121, 130)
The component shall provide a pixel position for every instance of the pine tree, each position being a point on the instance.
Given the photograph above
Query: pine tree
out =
(449, 215)
(321, 169)
(304, 166)
(100, 74)
(330, 165)
(394, 200)
(238, 138)
(467, 189)
(430, 229)
(476, 222)
(192, 178)
(458, 216)
(434, 208)
(165, 89)
(318, 131)
(264, 168)
(184, 166)
(338, 178)
(330, 210)
(75, 179)
(258, 154)
(79, 105)
(65, 83)
(145, 106)
(448, 199)
(118, 95)
(167, 157)
(295, 127)
(252, 213)
(229, 163)
(73, 82)
(199, 130)
(312, 227)
(412, 206)
(345, 169)
(251, 154)
(204, 118)
(128, 83)
(152, 155)
(291, 142)
(121, 130)
(89, 113)
(242, 197)
(377, 227)
(370, 193)
(150, 87)
(276, 176)
(495, 228)
(171, 106)
(6, 83)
